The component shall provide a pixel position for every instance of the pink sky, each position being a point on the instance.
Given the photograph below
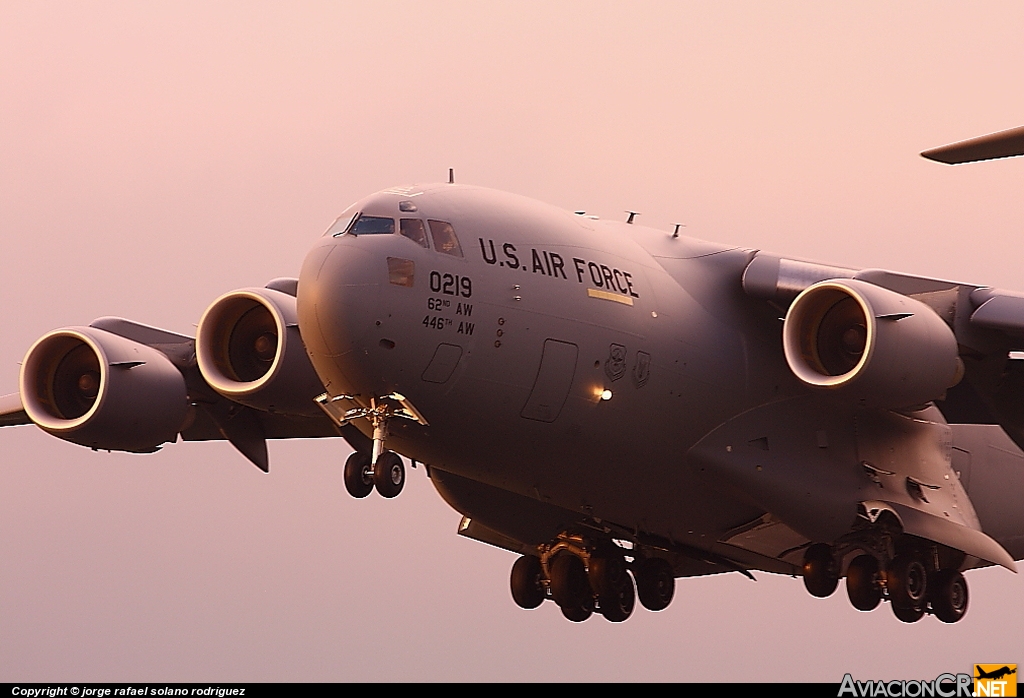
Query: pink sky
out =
(155, 155)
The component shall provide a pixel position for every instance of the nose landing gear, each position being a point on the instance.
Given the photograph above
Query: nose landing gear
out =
(382, 469)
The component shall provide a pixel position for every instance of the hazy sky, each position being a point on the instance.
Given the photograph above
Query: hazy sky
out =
(154, 155)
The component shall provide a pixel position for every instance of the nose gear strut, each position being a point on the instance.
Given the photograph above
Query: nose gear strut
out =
(382, 469)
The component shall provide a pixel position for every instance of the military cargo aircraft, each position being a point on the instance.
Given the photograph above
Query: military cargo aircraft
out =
(619, 405)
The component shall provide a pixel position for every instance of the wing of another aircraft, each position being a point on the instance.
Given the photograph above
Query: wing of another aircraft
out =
(1004, 144)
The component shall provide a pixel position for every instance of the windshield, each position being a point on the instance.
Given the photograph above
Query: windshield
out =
(372, 225)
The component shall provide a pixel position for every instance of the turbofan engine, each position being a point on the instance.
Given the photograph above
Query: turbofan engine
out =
(97, 389)
(249, 350)
(873, 345)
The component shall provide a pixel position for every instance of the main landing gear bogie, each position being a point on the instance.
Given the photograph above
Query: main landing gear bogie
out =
(911, 581)
(583, 581)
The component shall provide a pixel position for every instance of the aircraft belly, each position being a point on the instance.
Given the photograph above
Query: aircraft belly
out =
(504, 416)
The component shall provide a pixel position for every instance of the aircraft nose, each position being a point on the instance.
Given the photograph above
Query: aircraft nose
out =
(339, 301)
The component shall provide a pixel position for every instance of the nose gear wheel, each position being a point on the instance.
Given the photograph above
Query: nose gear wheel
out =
(358, 475)
(389, 474)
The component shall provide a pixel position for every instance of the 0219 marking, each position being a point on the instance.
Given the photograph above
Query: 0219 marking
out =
(451, 284)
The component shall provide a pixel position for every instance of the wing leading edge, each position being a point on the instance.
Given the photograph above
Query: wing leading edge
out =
(12, 412)
(1004, 144)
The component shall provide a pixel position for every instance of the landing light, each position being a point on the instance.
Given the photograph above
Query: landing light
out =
(606, 394)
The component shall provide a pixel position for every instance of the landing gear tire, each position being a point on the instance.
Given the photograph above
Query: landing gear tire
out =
(389, 474)
(820, 575)
(578, 614)
(908, 614)
(907, 582)
(613, 585)
(569, 586)
(527, 590)
(618, 604)
(949, 596)
(358, 475)
(655, 583)
(862, 583)
(606, 573)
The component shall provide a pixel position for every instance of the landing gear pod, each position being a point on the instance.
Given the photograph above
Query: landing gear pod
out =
(97, 389)
(874, 345)
(249, 350)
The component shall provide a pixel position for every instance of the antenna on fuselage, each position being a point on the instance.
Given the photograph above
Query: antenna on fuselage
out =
(451, 175)
(675, 233)
(632, 215)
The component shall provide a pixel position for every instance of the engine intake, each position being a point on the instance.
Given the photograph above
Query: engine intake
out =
(100, 390)
(871, 344)
(249, 350)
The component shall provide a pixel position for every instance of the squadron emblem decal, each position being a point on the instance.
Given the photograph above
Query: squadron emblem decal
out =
(615, 366)
(641, 369)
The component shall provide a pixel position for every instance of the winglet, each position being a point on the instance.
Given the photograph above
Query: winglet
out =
(1004, 144)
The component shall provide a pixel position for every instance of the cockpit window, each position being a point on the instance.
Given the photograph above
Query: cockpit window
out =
(413, 229)
(443, 235)
(341, 224)
(372, 225)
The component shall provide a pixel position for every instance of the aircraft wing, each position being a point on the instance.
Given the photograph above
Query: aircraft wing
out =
(12, 412)
(988, 324)
(988, 327)
(209, 415)
(1004, 144)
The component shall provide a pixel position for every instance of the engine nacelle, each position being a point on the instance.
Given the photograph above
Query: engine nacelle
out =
(98, 389)
(871, 344)
(249, 350)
